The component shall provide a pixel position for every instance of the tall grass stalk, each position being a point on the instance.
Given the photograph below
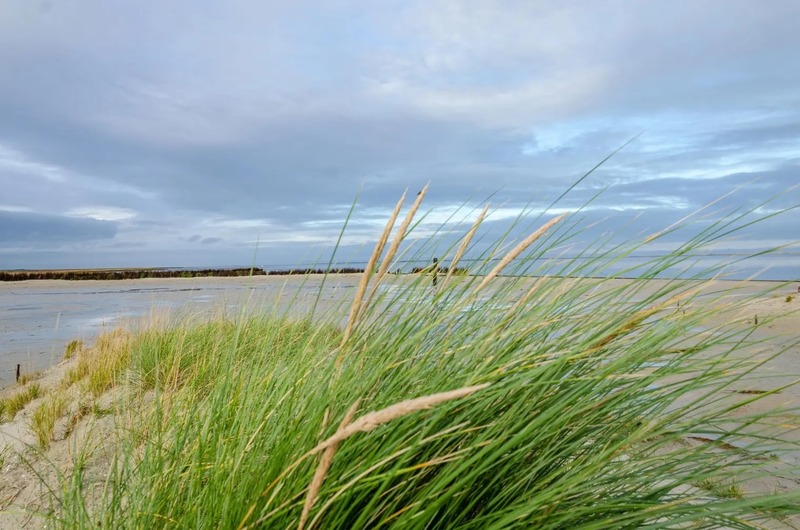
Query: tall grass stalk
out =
(398, 239)
(505, 403)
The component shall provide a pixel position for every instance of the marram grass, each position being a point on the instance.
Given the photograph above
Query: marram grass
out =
(45, 416)
(502, 403)
(9, 406)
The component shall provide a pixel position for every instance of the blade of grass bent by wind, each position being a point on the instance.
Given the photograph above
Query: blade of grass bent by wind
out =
(333, 255)
(462, 249)
(589, 173)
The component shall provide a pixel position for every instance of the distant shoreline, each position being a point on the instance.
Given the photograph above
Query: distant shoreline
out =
(136, 274)
(167, 273)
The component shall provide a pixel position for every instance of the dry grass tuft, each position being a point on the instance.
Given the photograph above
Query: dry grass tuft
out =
(102, 364)
(27, 377)
(10, 406)
(44, 418)
(72, 348)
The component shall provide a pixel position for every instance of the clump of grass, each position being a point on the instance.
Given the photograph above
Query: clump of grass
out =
(101, 366)
(104, 363)
(568, 406)
(789, 298)
(81, 369)
(73, 375)
(27, 377)
(72, 348)
(193, 352)
(722, 490)
(11, 405)
(44, 418)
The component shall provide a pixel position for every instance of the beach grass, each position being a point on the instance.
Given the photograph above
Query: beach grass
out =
(486, 401)
(9, 406)
(27, 377)
(45, 416)
(72, 347)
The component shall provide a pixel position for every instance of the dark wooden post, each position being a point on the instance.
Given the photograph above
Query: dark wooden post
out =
(17, 373)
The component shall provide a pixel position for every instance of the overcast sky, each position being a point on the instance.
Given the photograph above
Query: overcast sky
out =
(186, 132)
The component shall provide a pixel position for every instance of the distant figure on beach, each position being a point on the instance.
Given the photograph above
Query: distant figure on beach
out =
(435, 270)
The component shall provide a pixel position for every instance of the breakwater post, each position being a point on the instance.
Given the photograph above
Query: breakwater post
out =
(17, 374)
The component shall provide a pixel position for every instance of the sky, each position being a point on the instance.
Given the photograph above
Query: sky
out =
(189, 133)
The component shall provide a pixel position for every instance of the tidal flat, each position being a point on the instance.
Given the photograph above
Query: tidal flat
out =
(38, 318)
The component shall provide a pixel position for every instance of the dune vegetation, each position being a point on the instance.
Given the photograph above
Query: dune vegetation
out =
(501, 400)
(9, 406)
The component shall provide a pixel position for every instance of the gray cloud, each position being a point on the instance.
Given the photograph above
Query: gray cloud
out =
(23, 227)
(260, 121)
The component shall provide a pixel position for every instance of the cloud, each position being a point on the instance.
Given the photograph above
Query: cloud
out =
(102, 213)
(31, 228)
(261, 121)
(15, 163)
